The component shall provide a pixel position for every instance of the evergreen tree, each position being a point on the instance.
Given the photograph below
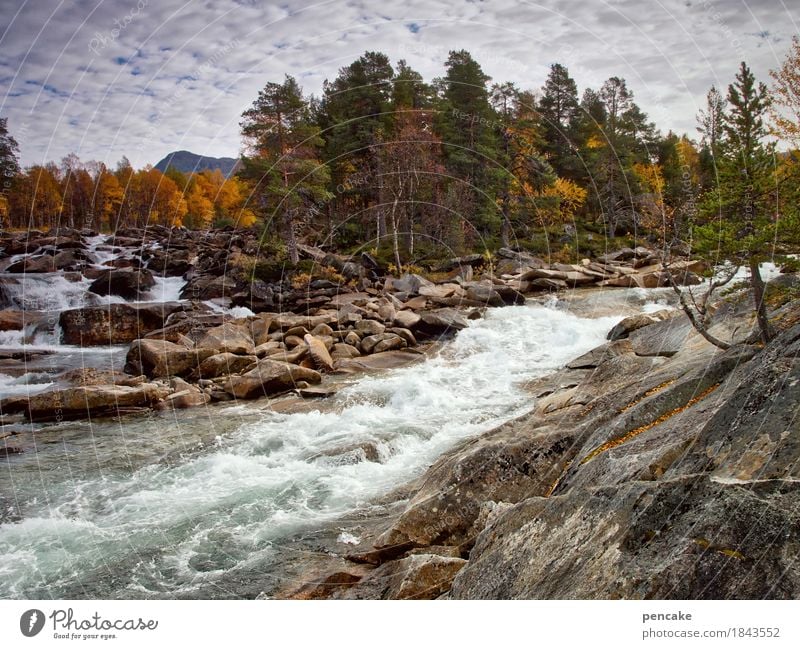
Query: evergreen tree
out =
(284, 161)
(740, 210)
(559, 110)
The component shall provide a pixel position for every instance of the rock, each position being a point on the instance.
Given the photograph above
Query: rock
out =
(352, 338)
(370, 327)
(440, 321)
(418, 576)
(316, 393)
(439, 290)
(225, 363)
(387, 342)
(319, 353)
(322, 330)
(114, 324)
(406, 319)
(601, 354)
(630, 324)
(268, 348)
(343, 350)
(662, 338)
(229, 337)
(409, 283)
(405, 334)
(84, 401)
(125, 282)
(161, 358)
(682, 539)
(185, 396)
(11, 319)
(381, 361)
(484, 294)
(543, 273)
(269, 377)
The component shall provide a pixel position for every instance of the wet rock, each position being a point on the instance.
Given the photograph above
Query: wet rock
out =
(127, 283)
(269, 377)
(114, 324)
(161, 358)
(441, 321)
(85, 401)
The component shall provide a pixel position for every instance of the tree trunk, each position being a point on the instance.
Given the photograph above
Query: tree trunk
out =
(757, 283)
(291, 241)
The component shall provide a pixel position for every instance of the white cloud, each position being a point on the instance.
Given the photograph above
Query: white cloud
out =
(177, 75)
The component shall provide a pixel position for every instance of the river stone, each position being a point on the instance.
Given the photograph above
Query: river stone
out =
(229, 337)
(406, 319)
(83, 401)
(319, 353)
(225, 363)
(370, 327)
(440, 321)
(161, 358)
(127, 283)
(113, 324)
(343, 350)
(269, 377)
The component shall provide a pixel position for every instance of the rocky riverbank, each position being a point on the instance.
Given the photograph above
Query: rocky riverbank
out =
(655, 466)
(227, 333)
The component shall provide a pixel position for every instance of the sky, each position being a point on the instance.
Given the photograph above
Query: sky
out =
(141, 78)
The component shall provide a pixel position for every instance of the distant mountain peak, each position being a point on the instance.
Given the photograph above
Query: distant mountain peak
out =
(188, 162)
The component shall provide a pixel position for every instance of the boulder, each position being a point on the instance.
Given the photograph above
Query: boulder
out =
(370, 327)
(269, 377)
(230, 337)
(343, 350)
(409, 283)
(225, 363)
(440, 321)
(127, 283)
(114, 324)
(84, 401)
(406, 319)
(319, 353)
(630, 324)
(161, 358)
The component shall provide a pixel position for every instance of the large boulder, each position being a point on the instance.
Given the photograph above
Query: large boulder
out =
(319, 353)
(84, 401)
(161, 358)
(269, 377)
(114, 324)
(224, 363)
(441, 321)
(128, 283)
(229, 337)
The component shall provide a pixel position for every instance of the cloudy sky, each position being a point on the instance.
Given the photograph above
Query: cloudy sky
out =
(106, 78)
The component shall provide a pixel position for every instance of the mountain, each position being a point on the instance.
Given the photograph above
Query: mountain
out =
(187, 162)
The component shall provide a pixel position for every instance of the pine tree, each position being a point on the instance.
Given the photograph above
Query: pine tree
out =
(740, 211)
(559, 111)
(284, 161)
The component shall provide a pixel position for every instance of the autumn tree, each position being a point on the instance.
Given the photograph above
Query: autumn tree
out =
(785, 109)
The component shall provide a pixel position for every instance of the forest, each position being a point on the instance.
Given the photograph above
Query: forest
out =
(413, 170)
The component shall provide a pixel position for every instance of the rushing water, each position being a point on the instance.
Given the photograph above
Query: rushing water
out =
(171, 505)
